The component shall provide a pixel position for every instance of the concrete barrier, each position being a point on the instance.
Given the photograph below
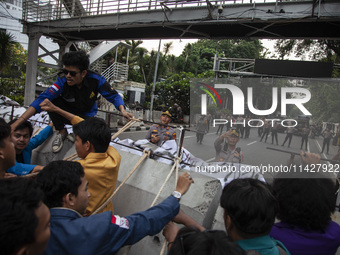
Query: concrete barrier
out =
(43, 154)
(200, 202)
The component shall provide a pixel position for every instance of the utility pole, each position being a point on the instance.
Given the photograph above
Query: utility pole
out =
(154, 81)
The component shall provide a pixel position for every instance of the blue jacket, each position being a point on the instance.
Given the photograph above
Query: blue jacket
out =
(35, 141)
(82, 99)
(104, 233)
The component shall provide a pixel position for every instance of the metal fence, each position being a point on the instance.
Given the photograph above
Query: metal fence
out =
(117, 72)
(49, 10)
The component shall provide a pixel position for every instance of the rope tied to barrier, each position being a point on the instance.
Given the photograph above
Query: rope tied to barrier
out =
(177, 160)
(127, 125)
(175, 166)
(146, 154)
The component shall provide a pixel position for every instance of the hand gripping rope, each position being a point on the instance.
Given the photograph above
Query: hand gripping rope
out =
(177, 161)
(174, 168)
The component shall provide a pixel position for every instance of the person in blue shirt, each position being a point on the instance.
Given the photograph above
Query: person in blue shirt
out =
(76, 91)
(24, 145)
(65, 188)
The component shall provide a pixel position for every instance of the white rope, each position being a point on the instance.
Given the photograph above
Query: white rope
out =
(164, 245)
(174, 168)
(128, 125)
(163, 248)
(72, 157)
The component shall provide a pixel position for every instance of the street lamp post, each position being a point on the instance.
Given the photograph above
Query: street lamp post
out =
(154, 82)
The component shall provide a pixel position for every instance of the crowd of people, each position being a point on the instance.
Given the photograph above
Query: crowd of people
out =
(265, 128)
(54, 211)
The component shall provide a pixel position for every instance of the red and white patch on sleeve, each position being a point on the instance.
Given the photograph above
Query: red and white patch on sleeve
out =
(120, 221)
(54, 88)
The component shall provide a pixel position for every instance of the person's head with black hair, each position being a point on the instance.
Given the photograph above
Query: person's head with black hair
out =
(24, 218)
(191, 241)
(7, 151)
(23, 125)
(305, 202)
(5, 131)
(249, 208)
(21, 135)
(92, 135)
(75, 67)
(64, 185)
(78, 59)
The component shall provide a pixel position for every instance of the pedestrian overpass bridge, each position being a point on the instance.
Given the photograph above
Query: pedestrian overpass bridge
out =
(153, 19)
(68, 21)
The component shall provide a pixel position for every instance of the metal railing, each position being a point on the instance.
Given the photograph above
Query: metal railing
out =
(116, 71)
(49, 10)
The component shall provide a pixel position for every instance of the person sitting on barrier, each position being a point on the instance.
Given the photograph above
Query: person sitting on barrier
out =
(65, 187)
(192, 241)
(24, 218)
(226, 151)
(158, 134)
(24, 144)
(249, 214)
(100, 160)
(76, 92)
(7, 150)
(306, 202)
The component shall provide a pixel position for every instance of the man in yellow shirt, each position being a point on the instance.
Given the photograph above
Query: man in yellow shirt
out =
(100, 161)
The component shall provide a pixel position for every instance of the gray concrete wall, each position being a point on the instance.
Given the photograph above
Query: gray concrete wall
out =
(43, 154)
(200, 202)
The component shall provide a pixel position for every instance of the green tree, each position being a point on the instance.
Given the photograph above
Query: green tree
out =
(321, 109)
(6, 43)
(317, 50)
(13, 88)
(167, 48)
(198, 57)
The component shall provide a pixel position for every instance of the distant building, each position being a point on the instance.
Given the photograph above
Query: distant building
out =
(135, 92)
(10, 16)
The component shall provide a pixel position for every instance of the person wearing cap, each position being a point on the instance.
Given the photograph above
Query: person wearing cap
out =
(226, 150)
(160, 133)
